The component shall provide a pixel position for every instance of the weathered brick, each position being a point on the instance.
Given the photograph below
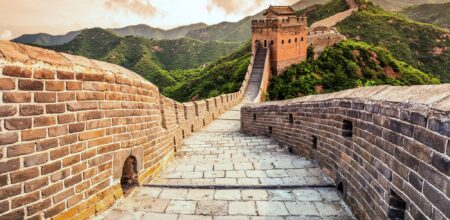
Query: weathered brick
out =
(78, 147)
(73, 180)
(79, 106)
(33, 134)
(92, 134)
(83, 186)
(441, 162)
(75, 200)
(54, 85)
(44, 74)
(98, 124)
(90, 77)
(45, 97)
(71, 160)
(68, 139)
(66, 96)
(35, 159)
(38, 207)
(51, 189)
(30, 110)
(55, 108)
(419, 119)
(402, 128)
(85, 96)
(16, 97)
(15, 71)
(58, 131)
(21, 149)
(4, 206)
(58, 153)
(31, 85)
(51, 167)
(430, 139)
(436, 198)
(78, 127)
(24, 174)
(3, 180)
(44, 121)
(7, 84)
(17, 214)
(66, 118)
(55, 210)
(90, 115)
(63, 195)
(8, 138)
(73, 86)
(10, 191)
(78, 168)
(35, 184)
(65, 75)
(18, 123)
(7, 110)
(60, 175)
(88, 154)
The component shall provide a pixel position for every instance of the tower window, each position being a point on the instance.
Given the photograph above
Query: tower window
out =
(271, 42)
(397, 206)
(289, 41)
(254, 117)
(291, 118)
(282, 42)
(265, 43)
(314, 142)
(270, 129)
(302, 39)
(295, 40)
(347, 129)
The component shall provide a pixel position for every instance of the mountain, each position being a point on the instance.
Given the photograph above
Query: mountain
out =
(146, 31)
(223, 76)
(141, 30)
(153, 59)
(46, 39)
(346, 65)
(437, 14)
(239, 31)
(397, 5)
(425, 47)
(318, 12)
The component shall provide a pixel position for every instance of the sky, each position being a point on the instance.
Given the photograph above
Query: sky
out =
(19, 17)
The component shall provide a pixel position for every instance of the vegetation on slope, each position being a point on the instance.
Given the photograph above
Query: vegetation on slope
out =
(346, 65)
(424, 46)
(318, 12)
(397, 5)
(224, 76)
(150, 58)
(437, 14)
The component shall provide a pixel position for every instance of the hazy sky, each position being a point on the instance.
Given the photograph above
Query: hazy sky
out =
(19, 17)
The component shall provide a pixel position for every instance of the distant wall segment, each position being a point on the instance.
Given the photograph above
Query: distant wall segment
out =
(386, 148)
(68, 124)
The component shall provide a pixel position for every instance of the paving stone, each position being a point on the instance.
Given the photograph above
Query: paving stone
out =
(200, 194)
(231, 218)
(223, 166)
(266, 218)
(148, 192)
(241, 208)
(307, 195)
(152, 205)
(227, 195)
(192, 175)
(225, 181)
(235, 174)
(181, 207)
(271, 181)
(271, 208)
(330, 194)
(212, 208)
(185, 168)
(281, 195)
(243, 166)
(256, 173)
(302, 208)
(173, 194)
(115, 214)
(203, 167)
(283, 165)
(214, 174)
(254, 194)
(153, 216)
(277, 173)
(329, 208)
(194, 217)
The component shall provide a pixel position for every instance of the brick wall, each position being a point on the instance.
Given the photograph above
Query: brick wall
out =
(67, 124)
(386, 148)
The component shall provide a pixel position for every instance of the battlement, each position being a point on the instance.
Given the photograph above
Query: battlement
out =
(279, 22)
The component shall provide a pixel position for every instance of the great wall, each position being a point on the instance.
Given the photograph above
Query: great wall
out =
(82, 139)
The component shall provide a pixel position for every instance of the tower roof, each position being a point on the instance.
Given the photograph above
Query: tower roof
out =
(280, 10)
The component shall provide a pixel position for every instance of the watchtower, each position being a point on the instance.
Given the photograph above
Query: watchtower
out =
(286, 35)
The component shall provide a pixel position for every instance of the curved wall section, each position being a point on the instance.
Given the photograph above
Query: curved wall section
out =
(68, 124)
(386, 148)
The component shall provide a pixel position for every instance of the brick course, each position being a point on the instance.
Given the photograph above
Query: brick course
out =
(67, 124)
(398, 144)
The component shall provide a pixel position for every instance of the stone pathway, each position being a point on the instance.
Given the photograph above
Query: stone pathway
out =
(220, 173)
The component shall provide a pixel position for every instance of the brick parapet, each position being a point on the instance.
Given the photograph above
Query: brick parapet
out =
(378, 142)
(68, 123)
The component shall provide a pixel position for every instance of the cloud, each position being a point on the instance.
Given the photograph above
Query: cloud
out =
(233, 6)
(143, 8)
(5, 35)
